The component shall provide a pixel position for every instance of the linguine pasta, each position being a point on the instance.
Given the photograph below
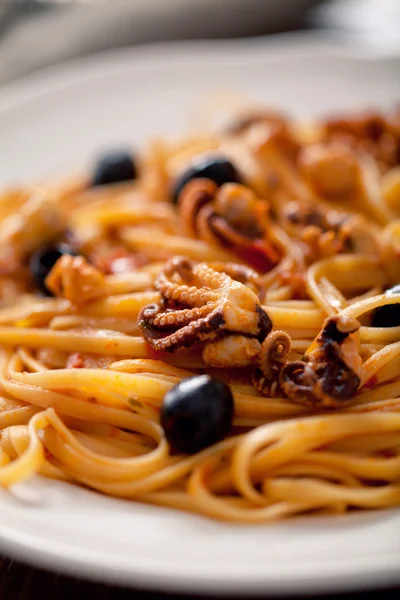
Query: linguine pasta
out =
(268, 283)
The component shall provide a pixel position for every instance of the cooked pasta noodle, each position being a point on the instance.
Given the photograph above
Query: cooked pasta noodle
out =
(267, 282)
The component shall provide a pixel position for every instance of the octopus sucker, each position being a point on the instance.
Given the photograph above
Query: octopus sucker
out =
(229, 309)
(327, 377)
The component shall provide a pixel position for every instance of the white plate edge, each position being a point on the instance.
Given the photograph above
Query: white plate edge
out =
(157, 56)
(58, 557)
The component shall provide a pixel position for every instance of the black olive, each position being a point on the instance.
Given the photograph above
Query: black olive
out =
(197, 413)
(388, 315)
(43, 260)
(113, 168)
(217, 168)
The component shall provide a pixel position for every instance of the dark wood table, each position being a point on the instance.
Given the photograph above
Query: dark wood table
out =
(21, 582)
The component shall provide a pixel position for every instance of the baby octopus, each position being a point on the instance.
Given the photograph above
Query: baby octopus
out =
(76, 280)
(200, 304)
(374, 133)
(327, 377)
(327, 231)
(232, 217)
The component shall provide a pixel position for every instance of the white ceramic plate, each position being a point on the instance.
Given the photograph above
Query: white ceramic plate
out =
(58, 120)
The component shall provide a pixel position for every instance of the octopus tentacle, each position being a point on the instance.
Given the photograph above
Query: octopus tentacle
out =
(181, 266)
(197, 194)
(203, 230)
(272, 359)
(180, 290)
(243, 274)
(207, 276)
(232, 217)
(184, 294)
(195, 332)
(261, 256)
(298, 381)
(179, 318)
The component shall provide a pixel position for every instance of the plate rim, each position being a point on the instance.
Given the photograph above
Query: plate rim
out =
(72, 561)
(69, 73)
(281, 46)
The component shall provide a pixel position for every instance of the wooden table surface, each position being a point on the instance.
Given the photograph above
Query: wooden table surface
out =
(20, 582)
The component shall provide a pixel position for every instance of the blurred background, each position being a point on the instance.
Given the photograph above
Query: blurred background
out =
(36, 33)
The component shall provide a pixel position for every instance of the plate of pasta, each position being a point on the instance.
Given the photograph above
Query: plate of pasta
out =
(199, 317)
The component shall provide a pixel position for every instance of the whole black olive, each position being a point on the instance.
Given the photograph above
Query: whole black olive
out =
(388, 315)
(217, 168)
(114, 168)
(43, 260)
(197, 413)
